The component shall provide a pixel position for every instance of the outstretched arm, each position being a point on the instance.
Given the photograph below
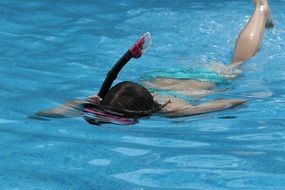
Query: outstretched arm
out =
(69, 109)
(179, 108)
(72, 108)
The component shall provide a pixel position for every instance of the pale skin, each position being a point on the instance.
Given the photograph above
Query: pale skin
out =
(250, 38)
(179, 108)
(247, 45)
(193, 88)
(174, 107)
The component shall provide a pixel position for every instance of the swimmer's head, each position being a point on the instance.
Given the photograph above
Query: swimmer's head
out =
(131, 99)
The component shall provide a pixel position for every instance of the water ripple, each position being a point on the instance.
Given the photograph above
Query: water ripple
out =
(55, 51)
(163, 142)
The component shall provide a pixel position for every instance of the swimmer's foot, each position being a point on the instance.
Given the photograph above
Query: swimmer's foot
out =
(263, 6)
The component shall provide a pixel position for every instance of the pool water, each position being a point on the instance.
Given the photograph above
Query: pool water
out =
(55, 51)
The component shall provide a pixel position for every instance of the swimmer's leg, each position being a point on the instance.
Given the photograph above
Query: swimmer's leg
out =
(188, 87)
(250, 38)
(179, 108)
(69, 109)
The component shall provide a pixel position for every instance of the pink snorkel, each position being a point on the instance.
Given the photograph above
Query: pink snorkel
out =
(136, 51)
(141, 46)
(95, 115)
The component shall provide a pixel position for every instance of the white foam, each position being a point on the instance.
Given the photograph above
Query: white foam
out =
(224, 70)
(131, 151)
(100, 162)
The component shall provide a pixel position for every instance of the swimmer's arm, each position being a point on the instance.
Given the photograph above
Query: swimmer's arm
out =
(66, 110)
(69, 109)
(179, 108)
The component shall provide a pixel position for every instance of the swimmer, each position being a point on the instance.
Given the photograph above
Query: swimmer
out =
(247, 45)
(127, 101)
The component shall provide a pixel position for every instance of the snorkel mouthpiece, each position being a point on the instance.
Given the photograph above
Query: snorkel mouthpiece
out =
(141, 46)
(136, 51)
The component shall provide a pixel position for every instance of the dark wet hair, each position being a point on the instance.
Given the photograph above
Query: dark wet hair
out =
(130, 99)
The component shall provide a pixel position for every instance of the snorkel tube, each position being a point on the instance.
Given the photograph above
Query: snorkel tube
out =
(136, 51)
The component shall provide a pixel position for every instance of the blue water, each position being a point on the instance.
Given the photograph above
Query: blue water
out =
(54, 51)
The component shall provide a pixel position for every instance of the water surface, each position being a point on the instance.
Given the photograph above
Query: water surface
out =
(54, 51)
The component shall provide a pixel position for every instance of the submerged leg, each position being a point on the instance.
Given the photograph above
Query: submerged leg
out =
(250, 38)
(187, 87)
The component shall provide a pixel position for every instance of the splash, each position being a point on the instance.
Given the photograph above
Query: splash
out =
(226, 71)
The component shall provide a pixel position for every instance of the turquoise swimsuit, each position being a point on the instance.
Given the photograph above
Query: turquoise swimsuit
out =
(201, 74)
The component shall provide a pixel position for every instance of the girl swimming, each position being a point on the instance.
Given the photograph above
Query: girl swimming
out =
(127, 101)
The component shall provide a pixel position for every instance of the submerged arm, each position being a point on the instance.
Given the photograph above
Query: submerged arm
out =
(69, 109)
(179, 108)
